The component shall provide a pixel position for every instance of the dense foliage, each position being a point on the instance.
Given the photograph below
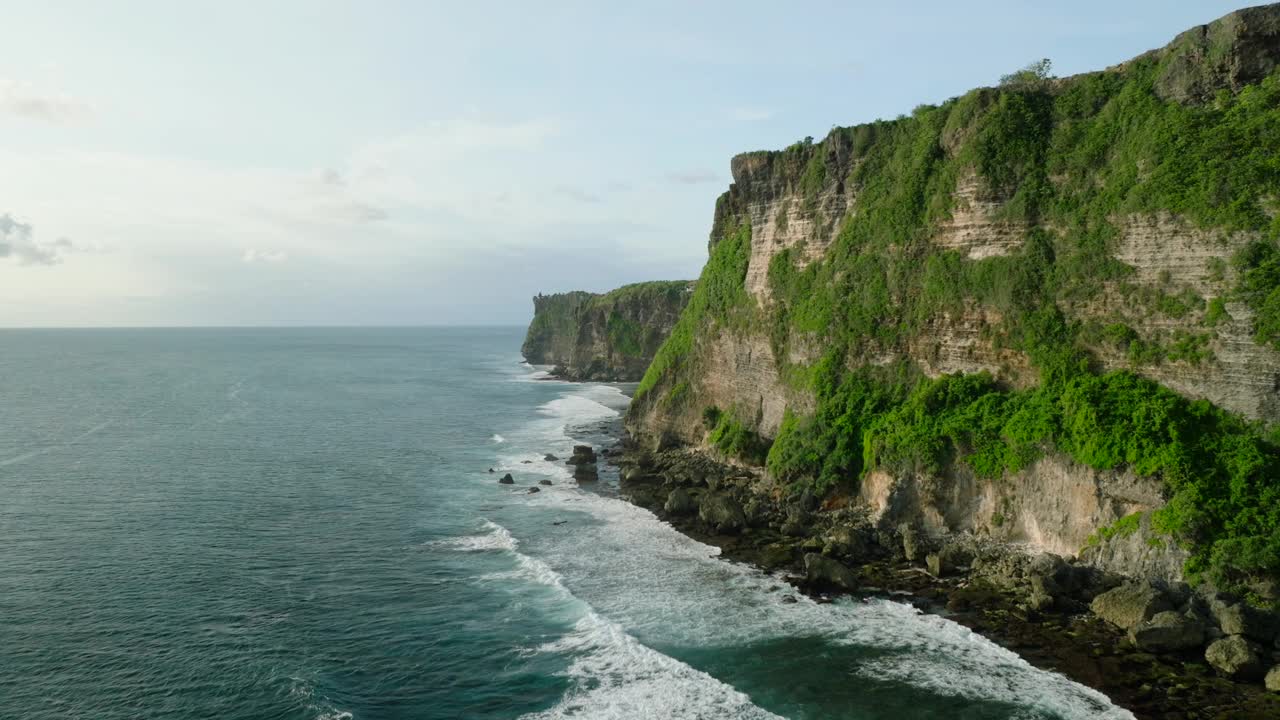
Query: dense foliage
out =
(1067, 160)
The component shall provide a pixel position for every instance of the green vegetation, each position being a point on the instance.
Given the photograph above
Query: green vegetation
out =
(1067, 161)
(733, 438)
(717, 298)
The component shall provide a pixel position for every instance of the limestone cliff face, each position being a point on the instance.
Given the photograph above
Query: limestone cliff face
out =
(1155, 297)
(604, 337)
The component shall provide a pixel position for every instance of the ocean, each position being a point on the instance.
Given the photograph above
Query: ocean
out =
(301, 523)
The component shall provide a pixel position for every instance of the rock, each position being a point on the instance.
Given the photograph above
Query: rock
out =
(586, 473)
(846, 541)
(507, 480)
(544, 482)
(822, 571)
(582, 454)
(946, 560)
(680, 502)
(550, 458)
(721, 512)
(490, 469)
(1130, 604)
(526, 462)
(790, 599)
(1272, 680)
(533, 489)
(915, 544)
(797, 522)
(1239, 618)
(1235, 657)
(1167, 631)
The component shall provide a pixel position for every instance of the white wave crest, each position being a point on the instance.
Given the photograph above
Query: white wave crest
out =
(498, 438)
(495, 539)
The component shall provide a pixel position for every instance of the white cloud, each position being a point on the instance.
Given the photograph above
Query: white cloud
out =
(24, 101)
(18, 244)
(253, 255)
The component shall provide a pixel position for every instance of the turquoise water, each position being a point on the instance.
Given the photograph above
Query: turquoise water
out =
(301, 524)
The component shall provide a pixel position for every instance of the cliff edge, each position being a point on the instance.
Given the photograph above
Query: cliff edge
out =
(609, 337)
(1044, 313)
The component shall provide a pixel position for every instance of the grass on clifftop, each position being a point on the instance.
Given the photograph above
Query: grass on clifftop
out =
(1066, 161)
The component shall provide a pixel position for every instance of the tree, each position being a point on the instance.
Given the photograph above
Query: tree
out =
(1031, 76)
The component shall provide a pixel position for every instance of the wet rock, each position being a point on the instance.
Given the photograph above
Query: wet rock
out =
(582, 454)
(544, 482)
(1130, 604)
(822, 571)
(507, 480)
(1167, 631)
(1235, 657)
(490, 469)
(533, 490)
(1272, 680)
(586, 473)
(550, 458)
(790, 599)
(721, 512)
(680, 502)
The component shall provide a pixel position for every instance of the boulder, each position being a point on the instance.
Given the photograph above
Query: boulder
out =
(822, 571)
(846, 541)
(915, 543)
(680, 502)
(947, 560)
(1129, 604)
(533, 489)
(544, 482)
(1235, 657)
(586, 473)
(721, 512)
(582, 454)
(1239, 618)
(507, 480)
(797, 523)
(550, 458)
(1167, 631)
(1272, 680)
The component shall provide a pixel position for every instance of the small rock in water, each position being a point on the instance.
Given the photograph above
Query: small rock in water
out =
(559, 522)
(490, 469)
(789, 599)
(526, 462)
(550, 458)
(533, 490)
(507, 480)
(544, 482)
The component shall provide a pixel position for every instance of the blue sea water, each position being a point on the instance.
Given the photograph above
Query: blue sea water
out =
(301, 524)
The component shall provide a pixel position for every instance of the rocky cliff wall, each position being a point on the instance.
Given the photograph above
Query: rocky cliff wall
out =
(1099, 231)
(605, 337)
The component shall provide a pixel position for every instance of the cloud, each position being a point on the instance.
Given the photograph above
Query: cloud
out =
(578, 194)
(271, 257)
(18, 244)
(22, 100)
(693, 177)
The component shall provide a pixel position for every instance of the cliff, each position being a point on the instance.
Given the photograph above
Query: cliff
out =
(1035, 313)
(605, 337)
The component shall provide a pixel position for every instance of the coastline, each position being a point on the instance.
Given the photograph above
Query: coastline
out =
(1066, 638)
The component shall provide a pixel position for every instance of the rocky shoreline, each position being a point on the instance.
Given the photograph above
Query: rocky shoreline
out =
(1141, 644)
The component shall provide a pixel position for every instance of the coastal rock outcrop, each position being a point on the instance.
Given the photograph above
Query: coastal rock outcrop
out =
(604, 337)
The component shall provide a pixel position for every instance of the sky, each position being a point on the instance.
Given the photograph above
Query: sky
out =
(422, 163)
